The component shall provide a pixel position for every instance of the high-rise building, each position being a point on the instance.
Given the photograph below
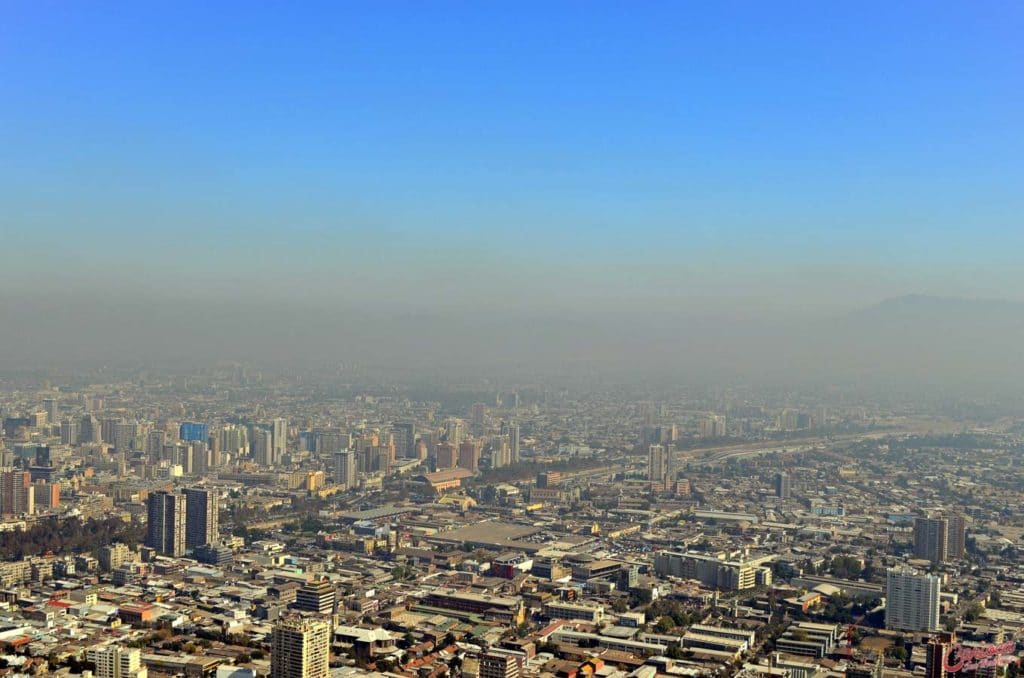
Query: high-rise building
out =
(454, 431)
(712, 426)
(783, 489)
(300, 648)
(116, 661)
(15, 495)
(956, 536)
(50, 407)
(316, 596)
(190, 430)
(930, 536)
(446, 456)
(89, 430)
(45, 495)
(513, 441)
(405, 439)
(345, 469)
(165, 531)
(201, 517)
(495, 665)
(911, 600)
(279, 436)
(69, 431)
(263, 447)
(469, 455)
(660, 464)
(477, 417)
(937, 653)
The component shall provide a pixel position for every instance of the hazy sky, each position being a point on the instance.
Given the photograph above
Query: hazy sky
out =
(740, 156)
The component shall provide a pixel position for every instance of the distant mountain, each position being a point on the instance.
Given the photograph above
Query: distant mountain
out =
(922, 305)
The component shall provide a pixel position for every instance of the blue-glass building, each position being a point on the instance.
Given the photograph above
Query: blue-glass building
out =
(193, 431)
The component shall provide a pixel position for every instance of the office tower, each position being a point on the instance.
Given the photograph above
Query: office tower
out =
(201, 517)
(501, 454)
(166, 528)
(712, 426)
(405, 439)
(469, 455)
(114, 556)
(45, 495)
(911, 600)
(300, 648)
(421, 450)
(930, 539)
(345, 469)
(659, 464)
(43, 457)
(956, 536)
(89, 430)
(454, 431)
(15, 493)
(69, 431)
(513, 442)
(199, 459)
(477, 417)
(446, 456)
(124, 436)
(383, 455)
(316, 596)
(233, 440)
(549, 479)
(50, 407)
(115, 661)
(190, 430)
(783, 488)
(494, 665)
(937, 654)
(279, 437)
(155, 441)
(329, 441)
(263, 447)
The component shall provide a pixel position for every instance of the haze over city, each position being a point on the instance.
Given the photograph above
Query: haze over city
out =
(557, 181)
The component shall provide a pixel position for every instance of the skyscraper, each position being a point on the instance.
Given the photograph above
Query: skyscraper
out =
(165, 531)
(189, 431)
(469, 455)
(15, 494)
(201, 517)
(911, 600)
(660, 464)
(50, 406)
(279, 436)
(300, 648)
(446, 456)
(454, 431)
(956, 536)
(345, 469)
(930, 539)
(263, 447)
(513, 441)
(782, 486)
(405, 439)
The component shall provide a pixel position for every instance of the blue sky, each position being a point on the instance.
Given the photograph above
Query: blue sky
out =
(410, 154)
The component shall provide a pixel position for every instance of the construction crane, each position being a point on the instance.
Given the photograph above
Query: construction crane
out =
(849, 635)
